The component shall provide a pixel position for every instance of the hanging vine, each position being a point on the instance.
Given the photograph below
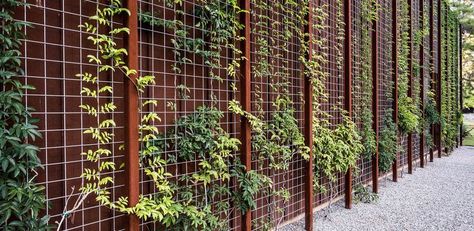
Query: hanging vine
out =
(388, 137)
(408, 116)
(21, 199)
(335, 149)
(368, 15)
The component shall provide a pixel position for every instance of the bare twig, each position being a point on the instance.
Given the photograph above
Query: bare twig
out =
(80, 199)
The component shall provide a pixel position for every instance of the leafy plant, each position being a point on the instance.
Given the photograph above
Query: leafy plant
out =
(364, 195)
(408, 109)
(368, 15)
(21, 199)
(388, 143)
(337, 147)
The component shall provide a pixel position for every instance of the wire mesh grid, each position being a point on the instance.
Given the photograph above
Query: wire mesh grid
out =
(276, 71)
(416, 65)
(178, 48)
(385, 82)
(54, 52)
(427, 71)
(403, 154)
(328, 26)
(359, 23)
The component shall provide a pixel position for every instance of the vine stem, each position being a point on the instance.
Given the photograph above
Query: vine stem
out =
(80, 199)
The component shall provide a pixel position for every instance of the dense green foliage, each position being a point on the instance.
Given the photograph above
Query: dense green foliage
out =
(408, 110)
(450, 118)
(368, 15)
(21, 200)
(336, 148)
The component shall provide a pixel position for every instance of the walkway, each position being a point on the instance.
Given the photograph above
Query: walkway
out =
(438, 197)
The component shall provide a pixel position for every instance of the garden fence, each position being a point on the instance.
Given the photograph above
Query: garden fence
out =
(187, 78)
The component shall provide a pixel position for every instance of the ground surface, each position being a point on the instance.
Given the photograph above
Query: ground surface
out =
(438, 197)
(469, 122)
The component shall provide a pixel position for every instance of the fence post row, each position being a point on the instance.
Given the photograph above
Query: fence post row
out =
(131, 116)
(422, 84)
(348, 58)
(375, 102)
(245, 101)
(395, 82)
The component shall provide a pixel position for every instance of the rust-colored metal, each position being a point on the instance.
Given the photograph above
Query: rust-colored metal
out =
(245, 90)
(375, 105)
(348, 89)
(132, 117)
(308, 129)
(438, 82)
(422, 85)
(410, 83)
(395, 80)
(432, 71)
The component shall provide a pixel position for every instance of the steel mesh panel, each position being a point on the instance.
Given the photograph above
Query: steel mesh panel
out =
(269, 21)
(415, 23)
(331, 47)
(55, 50)
(426, 68)
(183, 87)
(385, 70)
(364, 165)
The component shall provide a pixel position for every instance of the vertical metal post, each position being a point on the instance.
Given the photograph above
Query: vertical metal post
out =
(395, 80)
(348, 88)
(245, 101)
(438, 80)
(432, 71)
(308, 129)
(410, 83)
(131, 116)
(422, 85)
(375, 103)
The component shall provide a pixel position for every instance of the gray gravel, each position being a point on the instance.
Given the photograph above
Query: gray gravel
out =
(437, 197)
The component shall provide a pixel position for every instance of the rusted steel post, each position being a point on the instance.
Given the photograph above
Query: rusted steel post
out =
(395, 81)
(245, 101)
(410, 83)
(422, 85)
(432, 71)
(348, 88)
(438, 80)
(375, 104)
(308, 127)
(132, 117)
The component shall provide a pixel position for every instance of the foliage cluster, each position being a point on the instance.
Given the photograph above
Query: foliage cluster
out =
(336, 148)
(21, 200)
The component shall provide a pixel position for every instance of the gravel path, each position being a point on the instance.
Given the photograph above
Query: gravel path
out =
(438, 197)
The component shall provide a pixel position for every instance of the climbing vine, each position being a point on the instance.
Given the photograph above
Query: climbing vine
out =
(336, 149)
(21, 199)
(278, 140)
(368, 15)
(451, 117)
(388, 136)
(408, 116)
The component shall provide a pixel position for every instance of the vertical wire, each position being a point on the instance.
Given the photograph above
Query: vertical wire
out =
(65, 191)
